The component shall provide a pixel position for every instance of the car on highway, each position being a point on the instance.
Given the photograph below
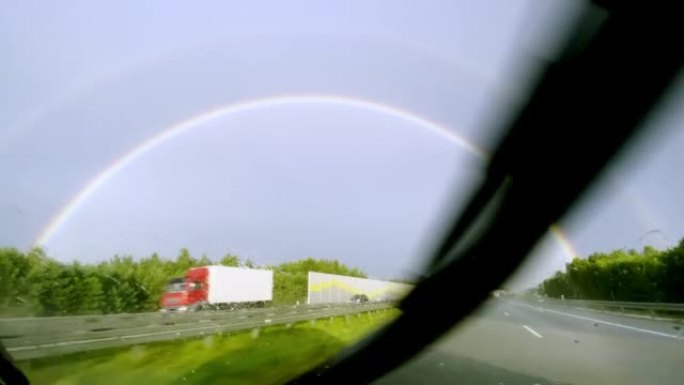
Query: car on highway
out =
(359, 298)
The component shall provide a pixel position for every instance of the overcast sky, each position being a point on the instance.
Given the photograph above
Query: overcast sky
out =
(84, 83)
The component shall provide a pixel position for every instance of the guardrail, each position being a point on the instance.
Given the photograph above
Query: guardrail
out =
(652, 308)
(27, 338)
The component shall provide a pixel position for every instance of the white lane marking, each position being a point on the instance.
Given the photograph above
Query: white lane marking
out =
(647, 331)
(534, 333)
(507, 314)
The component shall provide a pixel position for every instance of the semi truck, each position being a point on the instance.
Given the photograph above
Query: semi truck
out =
(216, 286)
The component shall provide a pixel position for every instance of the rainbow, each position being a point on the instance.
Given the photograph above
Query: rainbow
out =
(220, 112)
(564, 242)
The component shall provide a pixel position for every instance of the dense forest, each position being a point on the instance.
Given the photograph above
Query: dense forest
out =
(647, 276)
(31, 283)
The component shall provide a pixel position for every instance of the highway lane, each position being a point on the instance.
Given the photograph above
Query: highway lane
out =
(508, 342)
(517, 342)
(41, 337)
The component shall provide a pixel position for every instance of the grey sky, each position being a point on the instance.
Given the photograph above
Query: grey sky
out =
(84, 83)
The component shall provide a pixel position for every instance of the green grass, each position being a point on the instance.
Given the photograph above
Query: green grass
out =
(270, 356)
(18, 311)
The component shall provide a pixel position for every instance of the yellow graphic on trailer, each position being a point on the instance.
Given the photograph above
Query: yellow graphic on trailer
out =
(331, 288)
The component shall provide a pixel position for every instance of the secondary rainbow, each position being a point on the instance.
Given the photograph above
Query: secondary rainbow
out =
(176, 129)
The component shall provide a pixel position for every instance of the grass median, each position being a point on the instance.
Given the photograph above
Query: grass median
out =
(262, 356)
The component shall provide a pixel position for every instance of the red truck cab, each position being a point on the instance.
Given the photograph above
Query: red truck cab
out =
(187, 293)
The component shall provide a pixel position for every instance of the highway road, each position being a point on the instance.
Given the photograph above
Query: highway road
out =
(519, 342)
(35, 337)
(508, 342)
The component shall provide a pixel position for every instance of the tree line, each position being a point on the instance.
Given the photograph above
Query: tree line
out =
(31, 283)
(648, 276)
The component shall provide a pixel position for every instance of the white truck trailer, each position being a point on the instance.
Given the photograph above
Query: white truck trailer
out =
(218, 286)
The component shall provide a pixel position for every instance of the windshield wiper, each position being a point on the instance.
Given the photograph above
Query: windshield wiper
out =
(583, 110)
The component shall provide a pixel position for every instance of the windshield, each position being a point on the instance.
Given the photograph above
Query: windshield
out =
(297, 163)
(176, 285)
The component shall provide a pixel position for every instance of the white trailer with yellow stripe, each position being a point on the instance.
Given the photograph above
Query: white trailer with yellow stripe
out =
(331, 288)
